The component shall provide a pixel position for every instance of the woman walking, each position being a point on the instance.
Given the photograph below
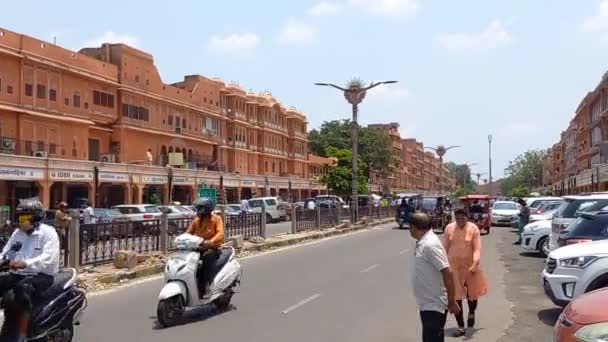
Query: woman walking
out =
(462, 243)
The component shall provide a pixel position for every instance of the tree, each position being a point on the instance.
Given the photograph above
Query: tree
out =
(520, 191)
(339, 177)
(526, 170)
(374, 145)
(462, 173)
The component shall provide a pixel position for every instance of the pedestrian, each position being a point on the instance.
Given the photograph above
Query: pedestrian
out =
(462, 243)
(311, 204)
(62, 222)
(433, 279)
(524, 219)
(149, 157)
(89, 214)
(244, 206)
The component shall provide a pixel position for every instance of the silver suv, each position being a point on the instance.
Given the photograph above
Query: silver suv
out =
(569, 210)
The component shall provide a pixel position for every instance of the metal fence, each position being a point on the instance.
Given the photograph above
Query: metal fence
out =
(246, 225)
(345, 213)
(99, 241)
(176, 227)
(306, 219)
(328, 216)
(6, 233)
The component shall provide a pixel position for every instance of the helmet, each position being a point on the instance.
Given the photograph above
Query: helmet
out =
(203, 207)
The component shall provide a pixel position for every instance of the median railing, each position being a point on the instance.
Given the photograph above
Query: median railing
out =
(95, 244)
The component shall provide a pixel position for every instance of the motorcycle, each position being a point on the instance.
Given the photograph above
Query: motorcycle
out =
(403, 217)
(181, 289)
(60, 308)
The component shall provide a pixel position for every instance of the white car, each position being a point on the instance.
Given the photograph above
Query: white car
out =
(535, 237)
(576, 269)
(272, 206)
(504, 212)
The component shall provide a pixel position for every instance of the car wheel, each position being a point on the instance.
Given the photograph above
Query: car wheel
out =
(599, 283)
(543, 246)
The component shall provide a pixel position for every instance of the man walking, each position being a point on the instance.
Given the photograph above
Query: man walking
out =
(524, 219)
(433, 279)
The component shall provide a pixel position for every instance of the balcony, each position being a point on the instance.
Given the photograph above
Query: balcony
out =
(397, 145)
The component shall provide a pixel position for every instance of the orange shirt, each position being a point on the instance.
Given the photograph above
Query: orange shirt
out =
(211, 229)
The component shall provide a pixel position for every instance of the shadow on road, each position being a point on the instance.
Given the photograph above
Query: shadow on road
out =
(549, 316)
(195, 315)
(531, 255)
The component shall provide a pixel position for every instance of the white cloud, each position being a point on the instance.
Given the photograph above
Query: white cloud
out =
(324, 8)
(114, 38)
(598, 24)
(296, 32)
(237, 43)
(387, 7)
(493, 36)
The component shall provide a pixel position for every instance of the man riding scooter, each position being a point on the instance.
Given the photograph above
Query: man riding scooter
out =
(32, 271)
(210, 227)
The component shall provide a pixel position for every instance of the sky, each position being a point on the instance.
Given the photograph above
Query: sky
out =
(466, 69)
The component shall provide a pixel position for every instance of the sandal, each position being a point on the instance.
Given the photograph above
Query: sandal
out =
(471, 320)
(459, 332)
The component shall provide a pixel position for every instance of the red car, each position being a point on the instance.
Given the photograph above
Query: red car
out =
(584, 319)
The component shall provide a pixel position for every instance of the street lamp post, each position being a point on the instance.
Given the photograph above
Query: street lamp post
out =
(354, 93)
(490, 163)
(441, 150)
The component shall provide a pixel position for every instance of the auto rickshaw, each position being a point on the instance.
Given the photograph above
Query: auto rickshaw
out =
(481, 216)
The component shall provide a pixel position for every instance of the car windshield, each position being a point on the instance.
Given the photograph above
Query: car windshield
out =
(571, 208)
(429, 203)
(271, 202)
(112, 212)
(505, 206)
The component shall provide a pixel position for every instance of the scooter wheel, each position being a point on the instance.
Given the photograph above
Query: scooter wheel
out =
(169, 310)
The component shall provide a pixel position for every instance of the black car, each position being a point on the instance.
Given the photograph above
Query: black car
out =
(587, 227)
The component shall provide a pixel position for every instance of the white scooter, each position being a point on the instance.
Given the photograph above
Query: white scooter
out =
(181, 290)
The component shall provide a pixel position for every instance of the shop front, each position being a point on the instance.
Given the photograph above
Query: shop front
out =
(113, 189)
(73, 187)
(17, 183)
(154, 189)
(248, 189)
(183, 190)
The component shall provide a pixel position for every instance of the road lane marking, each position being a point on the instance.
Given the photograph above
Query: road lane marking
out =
(404, 251)
(369, 268)
(301, 303)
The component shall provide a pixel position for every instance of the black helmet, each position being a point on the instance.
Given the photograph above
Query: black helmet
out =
(203, 207)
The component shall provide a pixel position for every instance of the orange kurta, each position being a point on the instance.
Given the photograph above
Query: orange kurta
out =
(463, 246)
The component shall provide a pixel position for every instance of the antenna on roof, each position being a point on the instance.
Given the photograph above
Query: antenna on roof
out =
(54, 40)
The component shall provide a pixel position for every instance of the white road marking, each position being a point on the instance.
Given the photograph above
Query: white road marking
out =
(301, 303)
(369, 268)
(404, 251)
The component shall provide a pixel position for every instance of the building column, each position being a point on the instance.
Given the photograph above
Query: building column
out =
(139, 193)
(64, 192)
(238, 194)
(193, 194)
(128, 193)
(44, 190)
(166, 191)
(91, 193)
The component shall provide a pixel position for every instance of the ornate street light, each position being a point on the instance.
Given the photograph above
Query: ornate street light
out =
(441, 150)
(354, 93)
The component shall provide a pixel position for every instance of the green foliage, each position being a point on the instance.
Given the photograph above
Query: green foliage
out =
(524, 172)
(374, 146)
(462, 172)
(466, 190)
(339, 177)
(520, 191)
(155, 198)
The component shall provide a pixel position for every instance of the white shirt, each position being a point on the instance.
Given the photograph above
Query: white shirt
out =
(311, 205)
(244, 206)
(39, 250)
(430, 259)
(89, 216)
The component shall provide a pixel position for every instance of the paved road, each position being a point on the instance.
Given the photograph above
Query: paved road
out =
(349, 288)
(273, 229)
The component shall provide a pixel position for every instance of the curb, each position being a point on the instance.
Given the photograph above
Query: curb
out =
(149, 270)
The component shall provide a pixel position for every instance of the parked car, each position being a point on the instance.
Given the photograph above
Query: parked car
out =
(536, 202)
(141, 215)
(504, 212)
(109, 215)
(573, 270)
(587, 227)
(330, 200)
(228, 209)
(548, 215)
(569, 211)
(271, 205)
(177, 212)
(584, 319)
(535, 237)
(545, 207)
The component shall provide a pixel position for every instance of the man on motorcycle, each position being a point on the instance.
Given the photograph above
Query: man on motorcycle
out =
(210, 227)
(33, 268)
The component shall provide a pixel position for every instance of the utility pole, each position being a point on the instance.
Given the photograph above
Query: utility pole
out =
(490, 186)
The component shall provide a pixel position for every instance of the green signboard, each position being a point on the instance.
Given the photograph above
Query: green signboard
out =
(208, 193)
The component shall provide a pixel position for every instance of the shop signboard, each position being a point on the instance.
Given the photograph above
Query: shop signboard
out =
(247, 184)
(111, 177)
(180, 180)
(231, 183)
(154, 179)
(62, 175)
(20, 173)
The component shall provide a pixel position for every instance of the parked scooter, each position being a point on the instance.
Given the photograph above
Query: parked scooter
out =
(181, 290)
(61, 308)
